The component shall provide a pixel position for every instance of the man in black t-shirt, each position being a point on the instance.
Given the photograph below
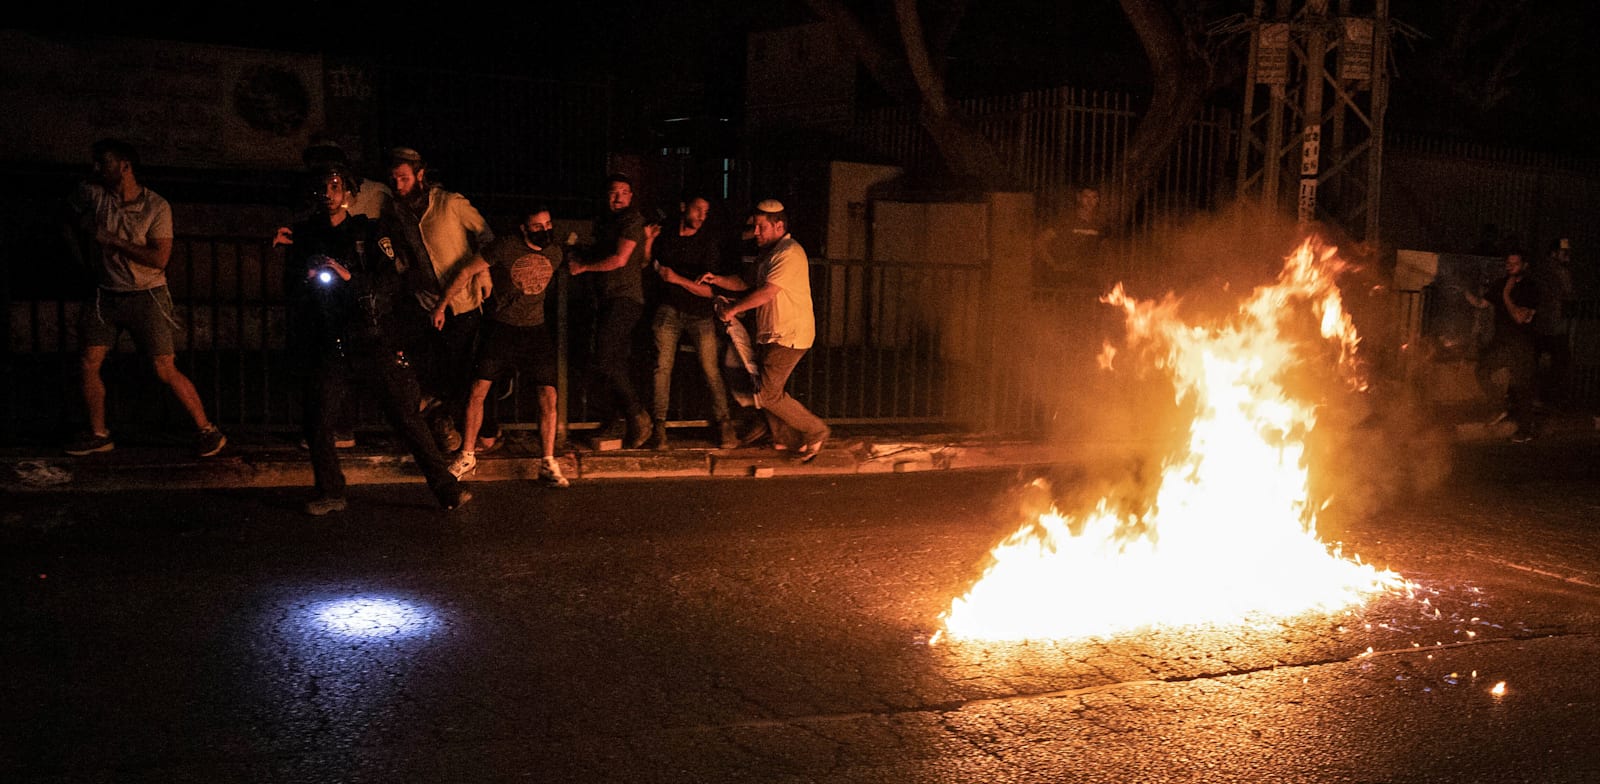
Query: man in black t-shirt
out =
(617, 259)
(1515, 301)
(682, 253)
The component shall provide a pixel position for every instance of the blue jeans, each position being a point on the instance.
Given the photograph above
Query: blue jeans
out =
(669, 327)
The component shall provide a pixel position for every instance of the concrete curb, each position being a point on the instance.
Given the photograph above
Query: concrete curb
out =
(266, 467)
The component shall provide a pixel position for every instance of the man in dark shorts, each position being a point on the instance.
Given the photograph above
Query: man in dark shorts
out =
(132, 226)
(515, 337)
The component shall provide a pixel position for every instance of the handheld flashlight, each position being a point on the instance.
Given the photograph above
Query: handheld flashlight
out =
(325, 277)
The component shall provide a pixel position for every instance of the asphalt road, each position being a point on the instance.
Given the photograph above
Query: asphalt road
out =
(765, 631)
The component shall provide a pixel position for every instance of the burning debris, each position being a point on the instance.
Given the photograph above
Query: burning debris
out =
(1229, 530)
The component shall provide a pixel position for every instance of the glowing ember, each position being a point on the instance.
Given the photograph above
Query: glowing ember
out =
(1231, 533)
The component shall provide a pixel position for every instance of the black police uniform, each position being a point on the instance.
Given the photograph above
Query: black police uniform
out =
(346, 331)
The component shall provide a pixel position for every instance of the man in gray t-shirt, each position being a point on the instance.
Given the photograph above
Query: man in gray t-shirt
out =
(132, 227)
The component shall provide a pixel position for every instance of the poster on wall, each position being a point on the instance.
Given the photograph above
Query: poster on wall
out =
(180, 104)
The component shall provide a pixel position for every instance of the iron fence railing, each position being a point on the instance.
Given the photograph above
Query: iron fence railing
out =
(895, 343)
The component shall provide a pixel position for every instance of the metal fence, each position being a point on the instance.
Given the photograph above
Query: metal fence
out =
(1458, 197)
(1055, 140)
(895, 343)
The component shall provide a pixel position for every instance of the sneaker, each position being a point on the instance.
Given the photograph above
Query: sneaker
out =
(639, 428)
(211, 442)
(318, 507)
(456, 500)
(465, 463)
(727, 438)
(550, 473)
(90, 443)
(1521, 437)
(658, 436)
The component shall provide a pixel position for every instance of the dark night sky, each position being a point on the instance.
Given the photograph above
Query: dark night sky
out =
(650, 48)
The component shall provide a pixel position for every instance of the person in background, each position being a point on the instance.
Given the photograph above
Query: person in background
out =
(617, 259)
(1514, 298)
(1553, 357)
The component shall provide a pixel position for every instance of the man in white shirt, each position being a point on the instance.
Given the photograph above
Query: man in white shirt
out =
(785, 326)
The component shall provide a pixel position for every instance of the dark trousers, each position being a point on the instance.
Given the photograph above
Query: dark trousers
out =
(386, 376)
(1552, 372)
(443, 359)
(611, 375)
(669, 327)
(791, 422)
(1520, 358)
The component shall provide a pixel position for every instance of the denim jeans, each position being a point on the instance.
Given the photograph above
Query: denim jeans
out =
(669, 327)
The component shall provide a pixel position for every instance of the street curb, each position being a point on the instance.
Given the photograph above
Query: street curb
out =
(272, 467)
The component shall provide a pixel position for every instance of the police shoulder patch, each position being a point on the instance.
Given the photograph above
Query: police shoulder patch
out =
(387, 246)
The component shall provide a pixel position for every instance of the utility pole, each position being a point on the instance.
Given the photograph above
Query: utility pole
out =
(1314, 102)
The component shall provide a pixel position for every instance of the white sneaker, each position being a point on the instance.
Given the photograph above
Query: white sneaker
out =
(465, 463)
(550, 473)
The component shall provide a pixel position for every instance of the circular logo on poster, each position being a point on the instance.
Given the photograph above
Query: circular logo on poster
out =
(271, 99)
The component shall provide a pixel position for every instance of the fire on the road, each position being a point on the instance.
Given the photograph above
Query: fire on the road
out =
(1230, 534)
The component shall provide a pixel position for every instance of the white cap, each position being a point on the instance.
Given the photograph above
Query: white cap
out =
(769, 206)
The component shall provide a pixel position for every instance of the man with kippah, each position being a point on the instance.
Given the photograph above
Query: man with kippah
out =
(785, 326)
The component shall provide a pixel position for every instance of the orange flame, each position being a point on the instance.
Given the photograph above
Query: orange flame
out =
(1231, 534)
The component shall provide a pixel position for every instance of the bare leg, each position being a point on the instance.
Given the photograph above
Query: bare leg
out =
(475, 401)
(94, 387)
(547, 421)
(167, 370)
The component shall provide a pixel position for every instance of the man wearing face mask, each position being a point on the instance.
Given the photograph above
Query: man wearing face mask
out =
(515, 337)
(445, 234)
(344, 281)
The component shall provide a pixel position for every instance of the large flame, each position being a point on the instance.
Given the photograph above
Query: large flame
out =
(1231, 533)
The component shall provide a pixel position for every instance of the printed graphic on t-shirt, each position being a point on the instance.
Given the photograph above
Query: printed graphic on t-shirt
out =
(531, 273)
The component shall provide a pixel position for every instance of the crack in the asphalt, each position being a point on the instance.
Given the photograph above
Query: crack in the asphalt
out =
(1566, 578)
(959, 705)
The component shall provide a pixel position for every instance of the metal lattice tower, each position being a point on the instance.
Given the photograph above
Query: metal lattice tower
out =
(1314, 102)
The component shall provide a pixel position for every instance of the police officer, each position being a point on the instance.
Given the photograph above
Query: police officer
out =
(346, 279)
